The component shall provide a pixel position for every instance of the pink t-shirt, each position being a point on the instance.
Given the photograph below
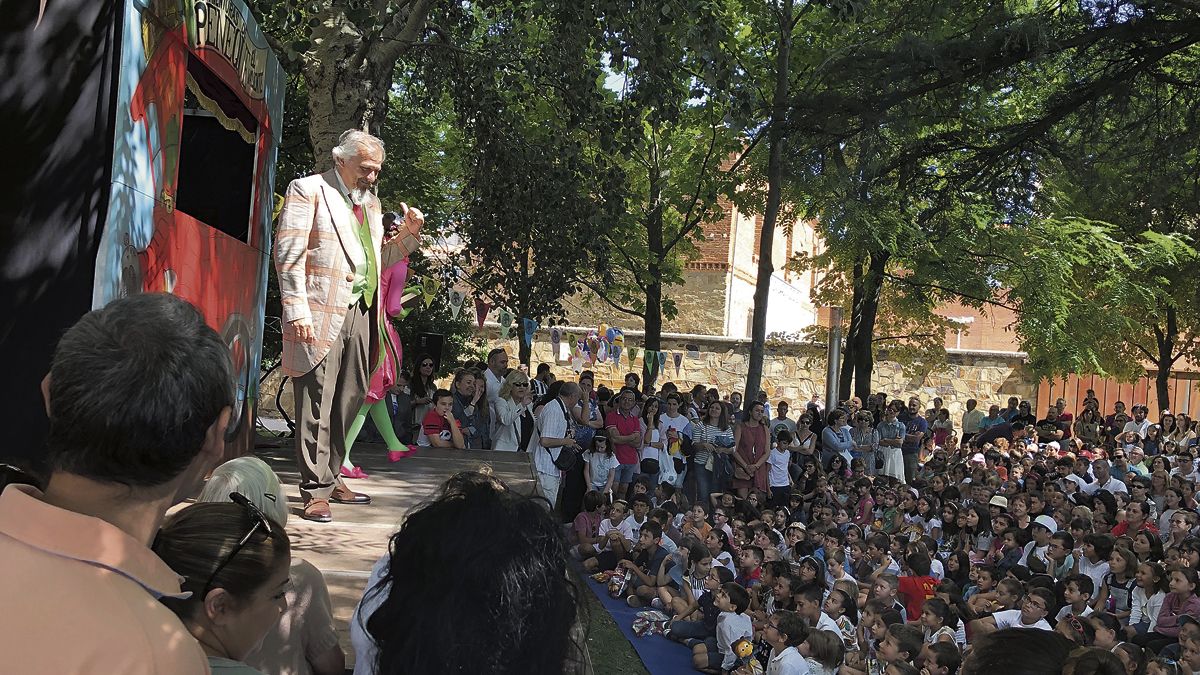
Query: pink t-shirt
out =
(625, 425)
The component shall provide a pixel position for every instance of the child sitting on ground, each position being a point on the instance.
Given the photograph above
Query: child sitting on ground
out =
(646, 565)
(696, 623)
(716, 654)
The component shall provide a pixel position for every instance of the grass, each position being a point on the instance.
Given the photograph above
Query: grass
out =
(611, 652)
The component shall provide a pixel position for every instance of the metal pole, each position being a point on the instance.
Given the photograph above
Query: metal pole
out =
(834, 355)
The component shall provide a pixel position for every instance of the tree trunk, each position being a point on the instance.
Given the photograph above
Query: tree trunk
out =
(348, 73)
(524, 349)
(775, 139)
(849, 353)
(1166, 359)
(864, 362)
(654, 244)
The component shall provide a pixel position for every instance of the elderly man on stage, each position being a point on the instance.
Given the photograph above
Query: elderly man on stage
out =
(327, 249)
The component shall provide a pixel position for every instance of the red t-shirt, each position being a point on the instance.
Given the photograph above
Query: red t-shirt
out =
(914, 591)
(436, 425)
(625, 425)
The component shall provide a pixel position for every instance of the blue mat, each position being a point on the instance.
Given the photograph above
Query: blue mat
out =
(660, 655)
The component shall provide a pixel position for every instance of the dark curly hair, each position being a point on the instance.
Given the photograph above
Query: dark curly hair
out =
(477, 582)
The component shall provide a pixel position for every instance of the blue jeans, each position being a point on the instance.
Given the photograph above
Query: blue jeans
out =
(703, 482)
(683, 631)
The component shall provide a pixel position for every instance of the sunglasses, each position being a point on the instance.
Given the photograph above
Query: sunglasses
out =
(258, 521)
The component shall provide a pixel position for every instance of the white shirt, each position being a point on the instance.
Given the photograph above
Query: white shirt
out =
(778, 461)
(731, 628)
(552, 423)
(365, 649)
(493, 397)
(1140, 428)
(1011, 618)
(1094, 571)
(1037, 551)
(601, 464)
(606, 526)
(826, 623)
(1112, 485)
(787, 662)
(1067, 611)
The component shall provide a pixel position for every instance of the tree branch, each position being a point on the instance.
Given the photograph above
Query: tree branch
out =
(951, 291)
(603, 296)
(401, 33)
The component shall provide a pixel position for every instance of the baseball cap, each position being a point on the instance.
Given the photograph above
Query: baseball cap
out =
(1002, 502)
(1046, 522)
(977, 458)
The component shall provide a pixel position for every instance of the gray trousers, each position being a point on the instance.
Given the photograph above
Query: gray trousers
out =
(327, 399)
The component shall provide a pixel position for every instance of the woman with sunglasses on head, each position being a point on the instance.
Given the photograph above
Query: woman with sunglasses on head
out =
(236, 564)
(304, 640)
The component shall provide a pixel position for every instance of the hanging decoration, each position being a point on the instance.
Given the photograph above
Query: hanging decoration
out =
(457, 298)
(615, 336)
(678, 358)
(602, 352)
(482, 307)
(555, 341)
(615, 353)
(431, 287)
(530, 327)
(506, 319)
(633, 354)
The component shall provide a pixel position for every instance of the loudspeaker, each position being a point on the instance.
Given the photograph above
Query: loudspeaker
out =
(430, 344)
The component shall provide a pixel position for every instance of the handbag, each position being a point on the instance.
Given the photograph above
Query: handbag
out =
(649, 465)
(568, 458)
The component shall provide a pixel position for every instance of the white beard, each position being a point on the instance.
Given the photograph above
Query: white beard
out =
(358, 196)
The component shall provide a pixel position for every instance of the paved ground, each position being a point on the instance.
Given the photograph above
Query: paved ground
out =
(346, 549)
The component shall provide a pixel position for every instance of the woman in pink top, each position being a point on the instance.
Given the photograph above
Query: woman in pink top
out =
(753, 449)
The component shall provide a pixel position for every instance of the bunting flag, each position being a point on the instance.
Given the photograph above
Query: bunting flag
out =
(602, 353)
(633, 354)
(650, 358)
(615, 353)
(615, 336)
(431, 288)
(593, 348)
(577, 364)
(678, 362)
(506, 319)
(555, 341)
(481, 310)
(457, 298)
(602, 331)
(530, 327)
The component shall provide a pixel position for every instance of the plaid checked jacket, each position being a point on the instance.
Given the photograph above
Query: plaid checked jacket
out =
(315, 270)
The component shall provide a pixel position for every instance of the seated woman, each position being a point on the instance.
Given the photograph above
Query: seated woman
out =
(235, 564)
(474, 582)
(304, 640)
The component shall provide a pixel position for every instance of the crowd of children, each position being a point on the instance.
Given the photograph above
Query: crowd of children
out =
(841, 566)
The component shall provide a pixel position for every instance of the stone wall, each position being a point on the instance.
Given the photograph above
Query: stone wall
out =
(791, 371)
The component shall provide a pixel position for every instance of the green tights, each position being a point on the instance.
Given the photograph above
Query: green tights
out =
(383, 422)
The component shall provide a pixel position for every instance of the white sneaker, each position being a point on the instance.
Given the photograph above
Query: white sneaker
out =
(656, 603)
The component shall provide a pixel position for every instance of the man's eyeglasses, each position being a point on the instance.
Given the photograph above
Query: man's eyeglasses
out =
(258, 520)
(1035, 604)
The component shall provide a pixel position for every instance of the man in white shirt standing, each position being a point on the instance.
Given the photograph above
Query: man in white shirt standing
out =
(497, 368)
(970, 420)
(558, 435)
